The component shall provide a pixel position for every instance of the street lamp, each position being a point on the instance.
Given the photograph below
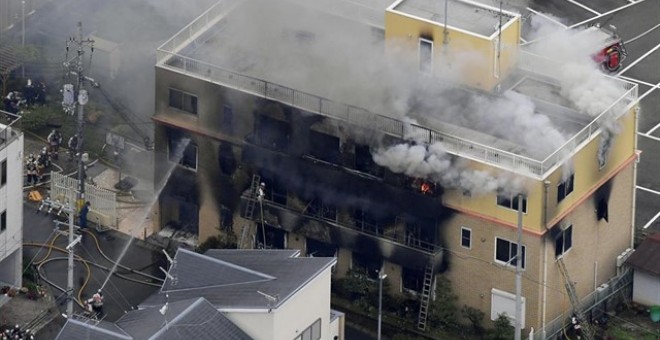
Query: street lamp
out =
(381, 276)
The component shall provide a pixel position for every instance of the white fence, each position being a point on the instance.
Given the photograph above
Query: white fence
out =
(104, 202)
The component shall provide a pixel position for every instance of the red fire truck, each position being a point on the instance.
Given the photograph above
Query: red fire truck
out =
(613, 53)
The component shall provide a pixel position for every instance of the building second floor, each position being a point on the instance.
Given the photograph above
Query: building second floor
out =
(11, 188)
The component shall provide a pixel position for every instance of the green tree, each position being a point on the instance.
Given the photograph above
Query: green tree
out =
(503, 330)
(443, 310)
(475, 316)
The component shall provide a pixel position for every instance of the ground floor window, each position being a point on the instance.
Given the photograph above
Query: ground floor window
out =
(275, 237)
(502, 302)
(320, 249)
(412, 279)
(366, 265)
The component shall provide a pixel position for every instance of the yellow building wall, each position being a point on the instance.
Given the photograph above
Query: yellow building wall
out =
(466, 58)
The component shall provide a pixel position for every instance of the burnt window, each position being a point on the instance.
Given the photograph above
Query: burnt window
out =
(564, 241)
(320, 209)
(273, 133)
(317, 248)
(420, 233)
(364, 161)
(565, 188)
(601, 210)
(183, 101)
(324, 147)
(366, 265)
(371, 222)
(466, 237)
(182, 150)
(511, 202)
(227, 118)
(412, 279)
(3, 173)
(276, 189)
(505, 252)
(275, 237)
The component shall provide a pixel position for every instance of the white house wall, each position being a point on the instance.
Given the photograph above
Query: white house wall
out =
(258, 325)
(646, 288)
(11, 201)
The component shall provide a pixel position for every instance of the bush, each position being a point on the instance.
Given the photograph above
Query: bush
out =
(475, 316)
(503, 330)
(443, 311)
(221, 241)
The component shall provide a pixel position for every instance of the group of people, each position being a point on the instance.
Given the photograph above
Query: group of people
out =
(35, 165)
(30, 96)
(16, 333)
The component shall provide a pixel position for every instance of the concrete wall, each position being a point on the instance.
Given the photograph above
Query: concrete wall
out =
(258, 325)
(11, 202)
(646, 288)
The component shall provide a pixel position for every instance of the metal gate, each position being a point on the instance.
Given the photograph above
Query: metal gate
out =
(104, 202)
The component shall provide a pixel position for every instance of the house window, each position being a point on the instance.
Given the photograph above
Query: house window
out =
(324, 147)
(182, 151)
(425, 55)
(366, 265)
(502, 302)
(466, 237)
(312, 332)
(412, 279)
(564, 241)
(565, 188)
(183, 101)
(227, 118)
(511, 202)
(3, 173)
(3, 221)
(505, 252)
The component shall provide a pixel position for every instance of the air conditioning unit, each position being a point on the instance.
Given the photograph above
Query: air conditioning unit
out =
(602, 288)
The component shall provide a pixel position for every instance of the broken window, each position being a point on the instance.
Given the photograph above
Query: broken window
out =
(366, 265)
(412, 279)
(369, 222)
(181, 149)
(505, 252)
(318, 208)
(183, 101)
(273, 133)
(511, 202)
(275, 237)
(364, 161)
(420, 233)
(320, 249)
(564, 241)
(565, 188)
(601, 210)
(324, 147)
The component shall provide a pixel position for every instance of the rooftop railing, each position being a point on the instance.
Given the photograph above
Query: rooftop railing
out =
(168, 57)
(9, 127)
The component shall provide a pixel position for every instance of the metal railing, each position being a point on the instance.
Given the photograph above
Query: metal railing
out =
(10, 125)
(168, 57)
(65, 189)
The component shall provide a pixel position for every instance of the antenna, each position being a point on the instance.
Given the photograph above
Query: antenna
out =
(272, 300)
(445, 32)
(499, 40)
(169, 259)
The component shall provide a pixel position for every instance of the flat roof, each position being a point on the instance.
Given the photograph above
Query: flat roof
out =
(468, 16)
(336, 66)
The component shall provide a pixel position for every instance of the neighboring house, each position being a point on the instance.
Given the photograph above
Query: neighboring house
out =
(269, 294)
(284, 93)
(11, 203)
(187, 319)
(646, 279)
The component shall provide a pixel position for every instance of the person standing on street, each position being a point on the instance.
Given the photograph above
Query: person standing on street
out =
(83, 215)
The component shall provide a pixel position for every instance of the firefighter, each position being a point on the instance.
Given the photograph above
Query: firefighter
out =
(73, 146)
(31, 170)
(261, 193)
(577, 328)
(54, 141)
(83, 215)
(95, 304)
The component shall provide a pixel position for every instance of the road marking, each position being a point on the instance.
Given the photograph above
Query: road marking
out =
(648, 136)
(638, 81)
(648, 92)
(583, 6)
(629, 41)
(648, 224)
(648, 190)
(547, 17)
(603, 14)
(523, 40)
(639, 59)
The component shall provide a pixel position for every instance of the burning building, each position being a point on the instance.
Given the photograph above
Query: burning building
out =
(399, 139)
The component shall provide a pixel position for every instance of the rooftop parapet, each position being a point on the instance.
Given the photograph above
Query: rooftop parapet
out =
(10, 131)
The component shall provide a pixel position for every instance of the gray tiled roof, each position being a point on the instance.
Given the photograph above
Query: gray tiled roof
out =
(191, 319)
(289, 274)
(82, 329)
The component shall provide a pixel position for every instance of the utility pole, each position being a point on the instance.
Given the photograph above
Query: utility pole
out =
(23, 36)
(381, 276)
(519, 260)
(70, 106)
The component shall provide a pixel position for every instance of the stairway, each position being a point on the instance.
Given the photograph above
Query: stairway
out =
(587, 330)
(249, 211)
(425, 297)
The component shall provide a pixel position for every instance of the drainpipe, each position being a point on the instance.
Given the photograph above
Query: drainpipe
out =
(546, 187)
(634, 186)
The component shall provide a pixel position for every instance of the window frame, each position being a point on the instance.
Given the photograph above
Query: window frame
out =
(469, 230)
(422, 68)
(509, 262)
(308, 333)
(194, 108)
(3, 172)
(511, 200)
(3, 221)
(565, 188)
(180, 164)
(563, 237)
